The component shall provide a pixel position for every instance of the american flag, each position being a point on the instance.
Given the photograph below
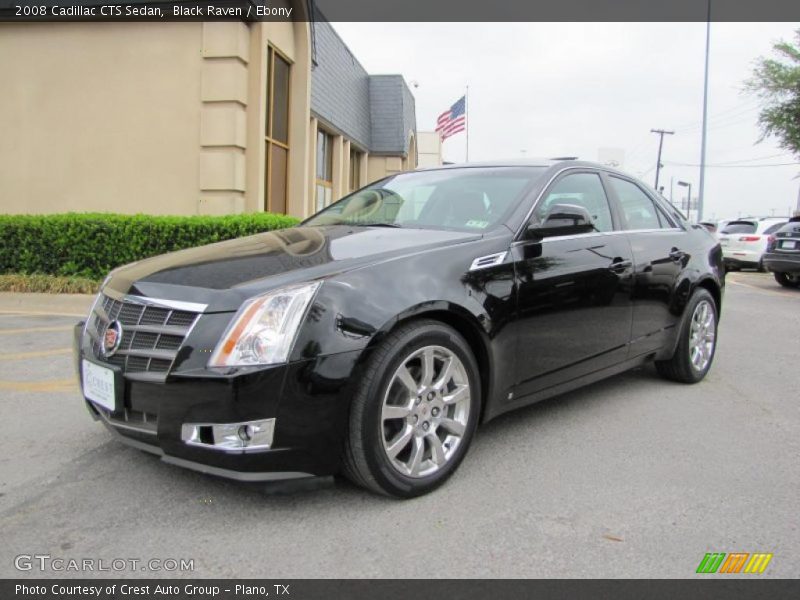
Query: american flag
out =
(453, 120)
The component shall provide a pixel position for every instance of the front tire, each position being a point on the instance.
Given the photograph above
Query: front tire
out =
(788, 280)
(414, 412)
(697, 344)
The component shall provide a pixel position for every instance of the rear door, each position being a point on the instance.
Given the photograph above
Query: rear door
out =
(574, 305)
(659, 245)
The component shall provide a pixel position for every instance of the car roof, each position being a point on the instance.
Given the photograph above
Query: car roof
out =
(564, 162)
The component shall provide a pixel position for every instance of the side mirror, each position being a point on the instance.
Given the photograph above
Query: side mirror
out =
(563, 219)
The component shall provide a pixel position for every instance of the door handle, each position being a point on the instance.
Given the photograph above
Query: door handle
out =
(677, 255)
(618, 265)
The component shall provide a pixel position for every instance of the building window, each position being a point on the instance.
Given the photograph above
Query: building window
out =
(276, 135)
(355, 170)
(324, 187)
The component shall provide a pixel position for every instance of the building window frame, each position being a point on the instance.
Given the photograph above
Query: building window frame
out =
(323, 178)
(354, 181)
(270, 141)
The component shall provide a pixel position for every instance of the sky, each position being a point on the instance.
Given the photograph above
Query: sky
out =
(570, 89)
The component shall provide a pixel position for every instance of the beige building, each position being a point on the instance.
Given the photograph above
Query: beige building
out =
(192, 118)
(429, 149)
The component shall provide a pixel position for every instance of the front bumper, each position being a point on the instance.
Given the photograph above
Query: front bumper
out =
(782, 263)
(308, 401)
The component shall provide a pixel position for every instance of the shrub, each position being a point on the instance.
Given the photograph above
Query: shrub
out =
(91, 244)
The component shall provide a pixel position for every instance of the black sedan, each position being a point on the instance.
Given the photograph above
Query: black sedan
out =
(783, 254)
(374, 338)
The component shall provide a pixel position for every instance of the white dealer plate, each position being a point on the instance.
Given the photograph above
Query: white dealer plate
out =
(98, 385)
(788, 244)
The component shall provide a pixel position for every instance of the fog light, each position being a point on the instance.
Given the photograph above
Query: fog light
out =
(230, 437)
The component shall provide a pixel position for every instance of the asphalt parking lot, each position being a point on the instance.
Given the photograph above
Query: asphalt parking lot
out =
(633, 477)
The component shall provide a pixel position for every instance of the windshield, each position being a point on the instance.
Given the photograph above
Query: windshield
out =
(464, 199)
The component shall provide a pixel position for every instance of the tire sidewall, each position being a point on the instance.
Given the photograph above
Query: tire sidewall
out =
(378, 463)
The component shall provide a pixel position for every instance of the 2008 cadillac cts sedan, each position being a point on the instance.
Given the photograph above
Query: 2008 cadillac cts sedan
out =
(375, 337)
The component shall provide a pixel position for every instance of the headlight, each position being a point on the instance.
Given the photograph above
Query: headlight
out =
(263, 330)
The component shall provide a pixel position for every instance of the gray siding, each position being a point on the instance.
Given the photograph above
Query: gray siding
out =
(375, 111)
(340, 86)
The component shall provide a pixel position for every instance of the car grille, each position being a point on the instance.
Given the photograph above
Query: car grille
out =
(151, 336)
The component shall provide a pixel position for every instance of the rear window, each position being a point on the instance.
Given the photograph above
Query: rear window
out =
(773, 228)
(740, 227)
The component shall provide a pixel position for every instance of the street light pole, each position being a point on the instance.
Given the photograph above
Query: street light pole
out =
(661, 133)
(701, 193)
(686, 184)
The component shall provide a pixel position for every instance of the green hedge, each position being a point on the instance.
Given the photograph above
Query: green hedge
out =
(91, 244)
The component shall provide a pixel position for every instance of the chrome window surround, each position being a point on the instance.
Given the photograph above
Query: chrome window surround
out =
(587, 169)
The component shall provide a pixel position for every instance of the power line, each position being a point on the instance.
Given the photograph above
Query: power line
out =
(730, 166)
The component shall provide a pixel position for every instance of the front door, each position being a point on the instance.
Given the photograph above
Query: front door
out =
(574, 304)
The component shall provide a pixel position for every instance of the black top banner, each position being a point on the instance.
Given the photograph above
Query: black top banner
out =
(403, 10)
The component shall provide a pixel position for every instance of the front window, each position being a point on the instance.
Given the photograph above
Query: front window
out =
(464, 199)
(581, 189)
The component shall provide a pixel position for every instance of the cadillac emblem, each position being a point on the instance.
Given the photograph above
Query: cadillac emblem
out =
(111, 339)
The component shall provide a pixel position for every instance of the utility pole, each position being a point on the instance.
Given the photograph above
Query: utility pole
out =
(661, 133)
(701, 196)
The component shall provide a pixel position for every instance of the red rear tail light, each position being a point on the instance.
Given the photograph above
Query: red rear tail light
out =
(749, 238)
(771, 243)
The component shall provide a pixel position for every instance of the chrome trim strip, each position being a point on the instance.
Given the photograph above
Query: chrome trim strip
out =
(490, 260)
(576, 236)
(162, 303)
(163, 329)
(149, 353)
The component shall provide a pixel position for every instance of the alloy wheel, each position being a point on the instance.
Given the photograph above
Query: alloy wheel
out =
(702, 335)
(425, 411)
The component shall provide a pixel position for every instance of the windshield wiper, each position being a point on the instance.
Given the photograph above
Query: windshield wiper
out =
(395, 225)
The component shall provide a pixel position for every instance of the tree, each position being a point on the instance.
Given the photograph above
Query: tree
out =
(777, 82)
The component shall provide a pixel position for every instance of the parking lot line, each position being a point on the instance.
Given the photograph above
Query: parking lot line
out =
(56, 385)
(34, 330)
(37, 354)
(758, 289)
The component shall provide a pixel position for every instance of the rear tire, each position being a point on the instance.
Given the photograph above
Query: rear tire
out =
(414, 412)
(697, 343)
(787, 280)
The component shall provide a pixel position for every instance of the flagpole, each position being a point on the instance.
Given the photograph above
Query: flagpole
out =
(466, 114)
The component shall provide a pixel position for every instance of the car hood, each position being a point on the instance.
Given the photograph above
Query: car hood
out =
(224, 274)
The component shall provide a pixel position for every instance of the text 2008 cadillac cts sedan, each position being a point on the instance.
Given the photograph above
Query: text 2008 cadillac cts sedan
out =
(373, 339)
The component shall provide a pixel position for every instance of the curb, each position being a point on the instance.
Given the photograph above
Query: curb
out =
(68, 305)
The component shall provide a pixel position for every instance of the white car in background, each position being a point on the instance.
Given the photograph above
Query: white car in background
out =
(744, 241)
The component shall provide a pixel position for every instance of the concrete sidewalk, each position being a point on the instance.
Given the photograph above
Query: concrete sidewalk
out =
(70, 305)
